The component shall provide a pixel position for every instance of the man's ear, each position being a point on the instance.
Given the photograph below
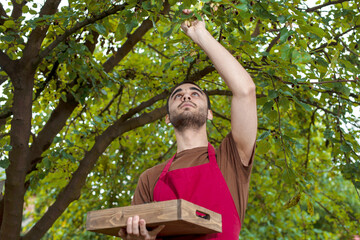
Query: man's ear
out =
(167, 119)
(210, 115)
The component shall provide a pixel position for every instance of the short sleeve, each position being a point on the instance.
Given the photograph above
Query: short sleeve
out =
(142, 192)
(236, 174)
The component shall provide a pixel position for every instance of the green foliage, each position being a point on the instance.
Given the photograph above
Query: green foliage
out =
(305, 63)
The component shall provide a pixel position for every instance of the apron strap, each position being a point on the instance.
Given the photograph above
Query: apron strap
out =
(211, 154)
(167, 166)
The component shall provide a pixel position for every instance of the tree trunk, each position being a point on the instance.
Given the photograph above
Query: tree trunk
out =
(19, 140)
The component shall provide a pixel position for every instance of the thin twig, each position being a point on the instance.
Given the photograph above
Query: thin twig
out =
(313, 9)
(153, 48)
(308, 137)
(324, 82)
(279, 120)
(112, 100)
(347, 48)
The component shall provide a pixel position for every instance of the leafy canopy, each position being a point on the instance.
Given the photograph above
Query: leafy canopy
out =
(84, 86)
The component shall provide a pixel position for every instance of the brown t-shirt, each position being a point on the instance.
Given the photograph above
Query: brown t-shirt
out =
(237, 176)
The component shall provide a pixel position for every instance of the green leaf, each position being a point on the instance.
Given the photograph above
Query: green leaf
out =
(328, 133)
(289, 176)
(198, 17)
(189, 59)
(263, 147)
(267, 107)
(286, 52)
(167, 65)
(242, 7)
(310, 208)
(98, 119)
(9, 24)
(147, 5)
(25, 9)
(300, 57)
(345, 148)
(284, 34)
(103, 91)
(263, 135)
(7, 148)
(272, 94)
(63, 97)
(130, 26)
(293, 201)
(8, 38)
(318, 31)
(303, 105)
(4, 163)
(101, 29)
(47, 162)
(168, 33)
(120, 32)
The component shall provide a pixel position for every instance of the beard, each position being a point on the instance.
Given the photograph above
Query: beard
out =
(188, 119)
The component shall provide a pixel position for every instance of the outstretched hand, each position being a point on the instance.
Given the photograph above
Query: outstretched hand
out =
(136, 230)
(192, 27)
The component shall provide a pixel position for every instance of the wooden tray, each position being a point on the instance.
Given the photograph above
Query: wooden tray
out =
(180, 217)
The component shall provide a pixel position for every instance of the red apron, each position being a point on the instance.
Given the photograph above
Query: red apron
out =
(205, 186)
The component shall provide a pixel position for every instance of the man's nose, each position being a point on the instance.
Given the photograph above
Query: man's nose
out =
(186, 97)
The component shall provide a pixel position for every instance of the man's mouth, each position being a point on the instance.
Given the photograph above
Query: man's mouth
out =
(186, 104)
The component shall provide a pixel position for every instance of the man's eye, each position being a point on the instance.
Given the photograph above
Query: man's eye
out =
(177, 95)
(195, 94)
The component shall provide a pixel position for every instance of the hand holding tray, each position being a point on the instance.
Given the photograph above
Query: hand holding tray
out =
(180, 217)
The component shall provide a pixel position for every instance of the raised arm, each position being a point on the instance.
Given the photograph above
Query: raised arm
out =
(240, 83)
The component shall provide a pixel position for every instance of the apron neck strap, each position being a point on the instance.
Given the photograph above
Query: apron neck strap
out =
(211, 154)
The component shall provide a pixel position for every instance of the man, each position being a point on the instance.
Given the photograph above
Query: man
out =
(220, 179)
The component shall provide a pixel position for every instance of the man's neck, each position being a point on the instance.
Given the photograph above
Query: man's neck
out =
(191, 138)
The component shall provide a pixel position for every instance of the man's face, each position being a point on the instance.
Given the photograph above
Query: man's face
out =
(188, 107)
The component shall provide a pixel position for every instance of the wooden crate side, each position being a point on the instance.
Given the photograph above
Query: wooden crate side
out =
(201, 216)
(179, 217)
(117, 217)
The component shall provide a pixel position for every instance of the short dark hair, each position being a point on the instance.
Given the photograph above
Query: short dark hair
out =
(179, 84)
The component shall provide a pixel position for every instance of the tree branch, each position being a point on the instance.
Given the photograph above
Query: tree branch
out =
(47, 80)
(3, 14)
(72, 191)
(336, 38)
(271, 45)
(308, 139)
(143, 105)
(153, 48)
(17, 9)
(77, 27)
(313, 9)
(52, 127)
(112, 100)
(5, 62)
(347, 48)
(332, 215)
(3, 79)
(202, 73)
(216, 114)
(57, 121)
(132, 40)
(315, 83)
(257, 29)
(36, 37)
(4, 116)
